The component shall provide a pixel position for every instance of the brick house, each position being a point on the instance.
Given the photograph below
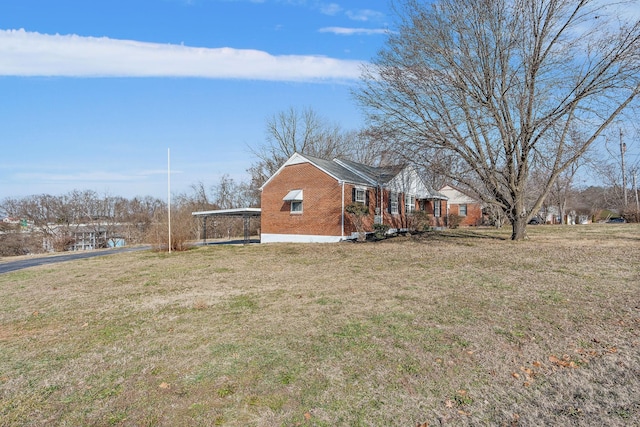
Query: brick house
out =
(461, 203)
(305, 200)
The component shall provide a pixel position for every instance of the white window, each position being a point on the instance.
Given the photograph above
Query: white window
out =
(360, 195)
(296, 206)
(295, 198)
(462, 210)
(436, 208)
(409, 203)
(393, 203)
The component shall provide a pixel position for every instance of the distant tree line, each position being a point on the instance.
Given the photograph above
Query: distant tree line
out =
(46, 222)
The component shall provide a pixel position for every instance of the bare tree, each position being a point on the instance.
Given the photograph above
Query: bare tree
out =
(200, 198)
(227, 194)
(497, 84)
(46, 214)
(57, 218)
(306, 132)
(368, 147)
(610, 169)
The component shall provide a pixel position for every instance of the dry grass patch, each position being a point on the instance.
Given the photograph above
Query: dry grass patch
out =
(454, 328)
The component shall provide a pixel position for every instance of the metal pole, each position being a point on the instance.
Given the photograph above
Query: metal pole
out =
(204, 238)
(169, 193)
(635, 191)
(246, 219)
(623, 148)
(342, 214)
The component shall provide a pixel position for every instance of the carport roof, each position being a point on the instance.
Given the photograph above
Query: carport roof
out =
(243, 212)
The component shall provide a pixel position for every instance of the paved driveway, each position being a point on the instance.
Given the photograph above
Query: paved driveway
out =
(6, 267)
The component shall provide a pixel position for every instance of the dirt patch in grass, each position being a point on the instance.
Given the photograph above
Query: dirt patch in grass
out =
(455, 328)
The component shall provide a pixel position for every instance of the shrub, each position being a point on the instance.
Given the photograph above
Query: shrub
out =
(183, 231)
(453, 220)
(380, 231)
(357, 212)
(16, 243)
(631, 214)
(419, 221)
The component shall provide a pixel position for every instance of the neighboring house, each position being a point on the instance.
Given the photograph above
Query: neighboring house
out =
(462, 204)
(83, 237)
(10, 220)
(305, 200)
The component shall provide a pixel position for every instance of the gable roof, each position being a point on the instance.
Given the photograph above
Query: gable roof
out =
(344, 170)
(374, 175)
(359, 174)
(458, 195)
(336, 170)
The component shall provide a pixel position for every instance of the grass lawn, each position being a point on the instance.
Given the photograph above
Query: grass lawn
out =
(446, 328)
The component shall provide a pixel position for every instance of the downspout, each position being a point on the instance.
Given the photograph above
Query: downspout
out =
(342, 215)
(447, 217)
(380, 205)
(379, 184)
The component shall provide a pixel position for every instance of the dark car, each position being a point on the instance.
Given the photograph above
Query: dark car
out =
(536, 220)
(618, 220)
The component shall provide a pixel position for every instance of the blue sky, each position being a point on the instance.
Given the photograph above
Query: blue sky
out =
(94, 92)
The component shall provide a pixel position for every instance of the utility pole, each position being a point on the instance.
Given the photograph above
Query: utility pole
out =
(635, 191)
(169, 194)
(623, 148)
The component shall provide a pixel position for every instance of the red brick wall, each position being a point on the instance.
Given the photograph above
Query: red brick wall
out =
(321, 206)
(392, 220)
(473, 217)
(436, 221)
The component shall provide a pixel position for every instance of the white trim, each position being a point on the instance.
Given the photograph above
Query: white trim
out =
(298, 238)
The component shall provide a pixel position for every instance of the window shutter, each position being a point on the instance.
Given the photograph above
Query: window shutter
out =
(353, 194)
(366, 198)
(389, 204)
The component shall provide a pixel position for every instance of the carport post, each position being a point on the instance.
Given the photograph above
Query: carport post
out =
(204, 226)
(247, 227)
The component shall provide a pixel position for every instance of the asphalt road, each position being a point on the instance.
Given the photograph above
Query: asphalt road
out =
(6, 267)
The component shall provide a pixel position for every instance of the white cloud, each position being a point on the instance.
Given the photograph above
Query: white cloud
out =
(364, 15)
(342, 31)
(330, 9)
(26, 53)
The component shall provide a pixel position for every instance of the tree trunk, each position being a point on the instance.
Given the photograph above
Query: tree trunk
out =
(519, 228)
(518, 219)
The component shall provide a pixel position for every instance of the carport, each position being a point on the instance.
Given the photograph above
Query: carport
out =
(245, 213)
